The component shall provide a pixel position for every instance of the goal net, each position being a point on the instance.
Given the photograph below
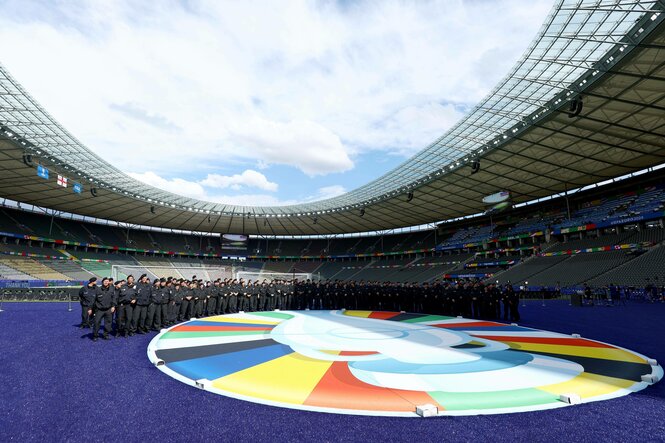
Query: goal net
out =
(260, 275)
(120, 272)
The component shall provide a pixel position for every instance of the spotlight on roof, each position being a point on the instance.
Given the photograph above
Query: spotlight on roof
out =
(409, 196)
(475, 166)
(576, 106)
(362, 211)
(152, 209)
(27, 159)
(93, 191)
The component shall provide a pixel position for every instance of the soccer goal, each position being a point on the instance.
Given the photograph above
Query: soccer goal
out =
(260, 276)
(120, 272)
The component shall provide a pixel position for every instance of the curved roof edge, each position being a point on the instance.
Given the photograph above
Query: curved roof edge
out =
(580, 43)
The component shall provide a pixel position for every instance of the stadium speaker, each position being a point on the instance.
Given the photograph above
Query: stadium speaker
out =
(475, 166)
(93, 191)
(315, 220)
(576, 106)
(409, 196)
(362, 212)
(152, 209)
(27, 159)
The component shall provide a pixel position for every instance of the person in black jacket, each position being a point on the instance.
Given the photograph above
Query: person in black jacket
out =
(87, 299)
(143, 293)
(154, 317)
(126, 303)
(167, 300)
(177, 295)
(103, 309)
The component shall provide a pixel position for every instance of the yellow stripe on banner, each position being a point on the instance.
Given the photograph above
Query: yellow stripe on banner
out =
(226, 319)
(588, 385)
(288, 379)
(580, 351)
(364, 314)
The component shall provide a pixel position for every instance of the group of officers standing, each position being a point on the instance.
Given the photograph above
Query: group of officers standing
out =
(128, 307)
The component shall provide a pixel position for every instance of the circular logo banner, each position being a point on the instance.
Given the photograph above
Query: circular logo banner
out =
(389, 363)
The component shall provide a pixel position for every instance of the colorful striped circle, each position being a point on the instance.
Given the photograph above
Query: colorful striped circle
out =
(388, 363)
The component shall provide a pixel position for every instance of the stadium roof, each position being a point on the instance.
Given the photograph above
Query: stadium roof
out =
(605, 57)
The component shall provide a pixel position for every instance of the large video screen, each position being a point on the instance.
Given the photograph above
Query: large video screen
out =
(234, 242)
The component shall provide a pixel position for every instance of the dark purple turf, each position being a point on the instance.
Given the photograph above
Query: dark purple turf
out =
(57, 385)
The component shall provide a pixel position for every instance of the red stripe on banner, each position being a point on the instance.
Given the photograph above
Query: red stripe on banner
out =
(351, 353)
(383, 315)
(218, 328)
(338, 388)
(547, 341)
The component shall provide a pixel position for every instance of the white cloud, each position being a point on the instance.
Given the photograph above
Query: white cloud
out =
(202, 190)
(211, 86)
(176, 185)
(306, 145)
(248, 178)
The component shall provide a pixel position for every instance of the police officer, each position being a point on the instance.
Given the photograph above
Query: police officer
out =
(213, 298)
(116, 297)
(187, 306)
(87, 299)
(143, 294)
(177, 296)
(223, 297)
(199, 298)
(252, 296)
(154, 318)
(126, 303)
(103, 309)
(167, 305)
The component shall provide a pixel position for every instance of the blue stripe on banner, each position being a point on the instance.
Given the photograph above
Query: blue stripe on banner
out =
(217, 366)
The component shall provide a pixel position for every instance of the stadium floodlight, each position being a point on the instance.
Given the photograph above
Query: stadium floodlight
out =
(475, 166)
(27, 159)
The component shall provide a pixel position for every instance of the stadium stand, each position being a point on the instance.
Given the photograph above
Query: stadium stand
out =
(472, 247)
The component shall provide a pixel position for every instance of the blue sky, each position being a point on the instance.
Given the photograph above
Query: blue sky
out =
(266, 102)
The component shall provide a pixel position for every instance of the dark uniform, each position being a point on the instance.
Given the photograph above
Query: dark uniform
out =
(125, 307)
(187, 307)
(213, 298)
(87, 299)
(223, 298)
(233, 290)
(143, 293)
(177, 294)
(103, 309)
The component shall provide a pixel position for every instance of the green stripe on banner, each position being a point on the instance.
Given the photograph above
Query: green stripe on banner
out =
(455, 401)
(207, 334)
(274, 315)
(427, 318)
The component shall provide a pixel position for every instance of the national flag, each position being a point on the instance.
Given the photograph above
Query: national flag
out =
(62, 181)
(78, 188)
(42, 171)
